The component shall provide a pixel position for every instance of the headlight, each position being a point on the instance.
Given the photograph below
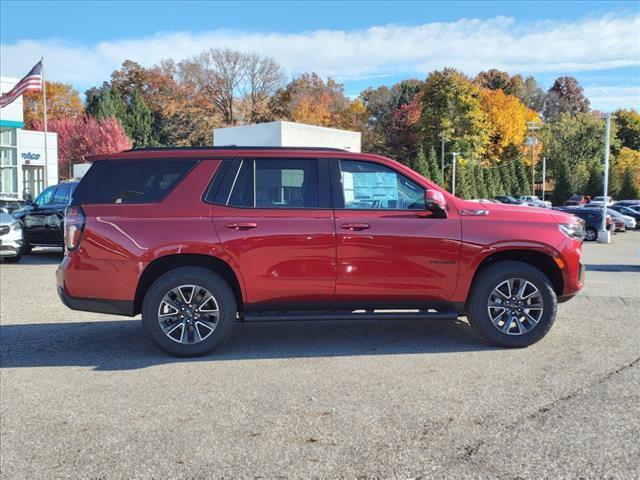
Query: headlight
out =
(15, 226)
(572, 230)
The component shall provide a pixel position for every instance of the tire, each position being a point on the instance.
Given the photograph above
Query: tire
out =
(591, 234)
(26, 249)
(15, 259)
(189, 336)
(521, 332)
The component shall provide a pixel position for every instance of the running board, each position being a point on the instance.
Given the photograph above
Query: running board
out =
(266, 316)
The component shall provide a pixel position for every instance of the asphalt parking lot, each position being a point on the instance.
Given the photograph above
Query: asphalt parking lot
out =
(87, 395)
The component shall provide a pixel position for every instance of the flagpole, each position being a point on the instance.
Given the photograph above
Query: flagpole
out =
(44, 113)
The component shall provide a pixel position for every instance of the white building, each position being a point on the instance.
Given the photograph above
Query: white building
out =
(22, 151)
(286, 134)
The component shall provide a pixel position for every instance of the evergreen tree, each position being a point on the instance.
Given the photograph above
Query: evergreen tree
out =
(464, 186)
(496, 182)
(629, 189)
(139, 122)
(506, 179)
(523, 186)
(434, 165)
(420, 164)
(564, 184)
(594, 183)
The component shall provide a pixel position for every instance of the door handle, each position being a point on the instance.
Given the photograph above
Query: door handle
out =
(355, 226)
(242, 226)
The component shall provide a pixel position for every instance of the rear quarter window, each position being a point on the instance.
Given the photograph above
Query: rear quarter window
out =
(132, 181)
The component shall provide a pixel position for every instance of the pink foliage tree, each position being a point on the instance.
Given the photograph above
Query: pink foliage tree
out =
(85, 135)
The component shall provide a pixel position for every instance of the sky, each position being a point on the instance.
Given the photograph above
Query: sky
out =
(360, 44)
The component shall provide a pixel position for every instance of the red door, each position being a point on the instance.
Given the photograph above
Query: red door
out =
(277, 227)
(388, 250)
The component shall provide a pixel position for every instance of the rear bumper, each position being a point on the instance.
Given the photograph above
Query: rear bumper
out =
(97, 305)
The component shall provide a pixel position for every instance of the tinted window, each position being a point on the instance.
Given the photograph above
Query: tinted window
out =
(62, 196)
(275, 183)
(136, 181)
(368, 185)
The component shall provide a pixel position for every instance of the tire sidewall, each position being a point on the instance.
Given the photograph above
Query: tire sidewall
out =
(492, 277)
(189, 276)
(594, 232)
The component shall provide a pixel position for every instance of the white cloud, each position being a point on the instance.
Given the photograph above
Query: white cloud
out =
(607, 99)
(468, 44)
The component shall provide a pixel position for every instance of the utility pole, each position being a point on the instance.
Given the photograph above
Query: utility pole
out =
(544, 175)
(604, 237)
(533, 126)
(442, 158)
(453, 172)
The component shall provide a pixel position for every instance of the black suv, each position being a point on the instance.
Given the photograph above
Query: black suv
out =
(42, 219)
(592, 218)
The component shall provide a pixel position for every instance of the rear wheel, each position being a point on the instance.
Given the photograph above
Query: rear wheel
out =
(512, 304)
(26, 248)
(591, 234)
(189, 311)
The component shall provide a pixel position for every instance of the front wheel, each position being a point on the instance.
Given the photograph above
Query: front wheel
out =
(189, 311)
(591, 234)
(512, 304)
(14, 259)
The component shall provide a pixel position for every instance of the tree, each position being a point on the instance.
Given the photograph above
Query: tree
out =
(84, 135)
(576, 141)
(523, 182)
(628, 123)
(434, 165)
(508, 119)
(529, 92)
(628, 160)
(565, 186)
(138, 122)
(451, 104)
(494, 79)
(630, 189)
(565, 96)
(594, 183)
(420, 164)
(62, 101)
(263, 76)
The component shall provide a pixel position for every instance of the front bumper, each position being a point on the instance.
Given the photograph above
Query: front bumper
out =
(10, 247)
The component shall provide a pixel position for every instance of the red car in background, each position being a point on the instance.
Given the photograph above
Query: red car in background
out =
(198, 239)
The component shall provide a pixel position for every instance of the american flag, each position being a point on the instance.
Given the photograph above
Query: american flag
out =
(31, 81)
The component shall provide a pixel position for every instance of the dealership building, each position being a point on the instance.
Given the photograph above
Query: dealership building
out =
(22, 154)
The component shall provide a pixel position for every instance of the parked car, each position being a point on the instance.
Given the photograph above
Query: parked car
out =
(197, 239)
(627, 211)
(42, 219)
(534, 201)
(10, 204)
(628, 203)
(509, 200)
(592, 218)
(627, 221)
(600, 200)
(10, 238)
(578, 200)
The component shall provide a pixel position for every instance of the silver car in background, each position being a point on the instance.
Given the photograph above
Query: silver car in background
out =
(11, 238)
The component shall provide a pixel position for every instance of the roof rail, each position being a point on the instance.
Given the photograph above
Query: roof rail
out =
(233, 147)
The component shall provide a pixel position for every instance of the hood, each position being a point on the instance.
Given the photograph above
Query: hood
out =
(520, 212)
(6, 219)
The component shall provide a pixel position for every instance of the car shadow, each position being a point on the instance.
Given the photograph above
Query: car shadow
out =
(613, 267)
(43, 256)
(123, 344)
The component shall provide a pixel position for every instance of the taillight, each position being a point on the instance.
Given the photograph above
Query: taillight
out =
(74, 220)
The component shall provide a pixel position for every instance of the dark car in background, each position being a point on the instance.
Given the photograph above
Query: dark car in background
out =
(577, 200)
(509, 200)
(592, 218)
(42, 220)
(628, 211)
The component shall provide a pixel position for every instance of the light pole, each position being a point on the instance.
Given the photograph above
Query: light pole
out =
(604, 237)
(453, 172)
(533, 141)
(544, 174)
(442, 158)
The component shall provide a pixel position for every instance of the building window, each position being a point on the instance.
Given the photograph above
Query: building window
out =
(8, 161)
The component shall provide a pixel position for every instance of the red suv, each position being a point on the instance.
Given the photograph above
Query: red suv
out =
(198, 239)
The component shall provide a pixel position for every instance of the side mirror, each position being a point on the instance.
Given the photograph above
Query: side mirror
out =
(434, 199)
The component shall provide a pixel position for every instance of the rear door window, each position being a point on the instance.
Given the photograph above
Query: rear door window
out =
(136, 181)
(62, 196)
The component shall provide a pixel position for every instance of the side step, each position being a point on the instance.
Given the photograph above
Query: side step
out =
(297, 316)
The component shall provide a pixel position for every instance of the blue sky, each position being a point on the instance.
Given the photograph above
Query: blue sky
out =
(359, 43)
